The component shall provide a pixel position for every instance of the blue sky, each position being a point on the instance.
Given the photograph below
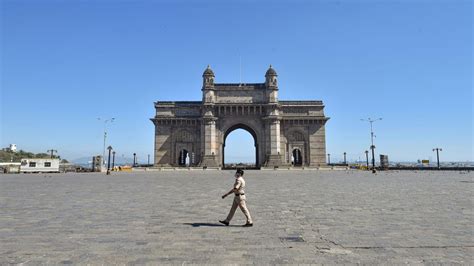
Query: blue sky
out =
(65, 63)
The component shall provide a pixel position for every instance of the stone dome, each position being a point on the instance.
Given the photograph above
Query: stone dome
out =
(271, 72)
(208, 71)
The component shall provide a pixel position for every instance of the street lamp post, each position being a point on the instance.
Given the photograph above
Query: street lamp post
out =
(373, 157)
(52, 151)
(345, 162)
(108, 160)
(437, 155)
(372, 147)
(105, 134)
(367, 158)
(148, 159)
(329, 158)
(113, 161)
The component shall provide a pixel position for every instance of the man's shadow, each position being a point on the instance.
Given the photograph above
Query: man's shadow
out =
(210, 225)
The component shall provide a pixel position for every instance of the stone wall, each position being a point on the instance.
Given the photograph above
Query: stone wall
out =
(239, 94)
(171, 138)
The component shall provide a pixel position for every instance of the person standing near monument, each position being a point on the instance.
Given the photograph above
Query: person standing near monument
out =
(239, 199)
(187, 160)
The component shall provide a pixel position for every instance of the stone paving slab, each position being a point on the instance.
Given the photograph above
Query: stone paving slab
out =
(170, 217)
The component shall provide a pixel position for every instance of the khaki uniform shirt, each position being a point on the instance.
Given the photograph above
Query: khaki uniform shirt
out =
(239, 185)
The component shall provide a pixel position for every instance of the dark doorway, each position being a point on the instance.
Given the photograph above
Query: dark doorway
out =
(183, 157)
(297, 159)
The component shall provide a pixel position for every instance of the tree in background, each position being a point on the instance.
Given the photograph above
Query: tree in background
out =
(9, 156)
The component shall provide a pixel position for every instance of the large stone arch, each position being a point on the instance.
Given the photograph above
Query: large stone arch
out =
(277, 126)
(239, 125)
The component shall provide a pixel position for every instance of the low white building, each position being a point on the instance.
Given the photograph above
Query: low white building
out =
(9, 167)
(12, 147)
(39, 165)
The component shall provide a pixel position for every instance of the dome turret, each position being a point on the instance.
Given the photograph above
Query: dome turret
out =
(271, 72)
(272, 85)
(208, 95)
(208, 72)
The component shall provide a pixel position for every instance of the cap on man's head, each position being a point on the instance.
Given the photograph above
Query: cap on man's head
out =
(240, 172)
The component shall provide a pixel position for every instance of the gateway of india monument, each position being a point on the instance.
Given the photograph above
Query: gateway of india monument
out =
(285, 132)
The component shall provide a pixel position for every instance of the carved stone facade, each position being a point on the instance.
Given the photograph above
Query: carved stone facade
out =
(285, 132)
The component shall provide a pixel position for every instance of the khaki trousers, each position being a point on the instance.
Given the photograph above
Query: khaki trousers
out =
(239, 201)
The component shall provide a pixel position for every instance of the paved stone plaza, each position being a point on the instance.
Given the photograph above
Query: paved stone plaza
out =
(299, 216)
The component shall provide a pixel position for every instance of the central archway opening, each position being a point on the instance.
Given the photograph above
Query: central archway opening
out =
(240, 148)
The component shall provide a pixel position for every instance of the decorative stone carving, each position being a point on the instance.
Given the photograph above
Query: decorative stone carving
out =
(296, 136)
(187, 111)
(184, 136)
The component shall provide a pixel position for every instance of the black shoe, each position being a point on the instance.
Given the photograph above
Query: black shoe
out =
(224, 222)
(248, 225)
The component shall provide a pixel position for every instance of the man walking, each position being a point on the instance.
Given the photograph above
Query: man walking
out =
(239, 199)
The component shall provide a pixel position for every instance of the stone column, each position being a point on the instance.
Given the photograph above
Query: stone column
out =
(210, 142)
(162, 145)
(275, 156)
(275, 136)
(317, 144)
